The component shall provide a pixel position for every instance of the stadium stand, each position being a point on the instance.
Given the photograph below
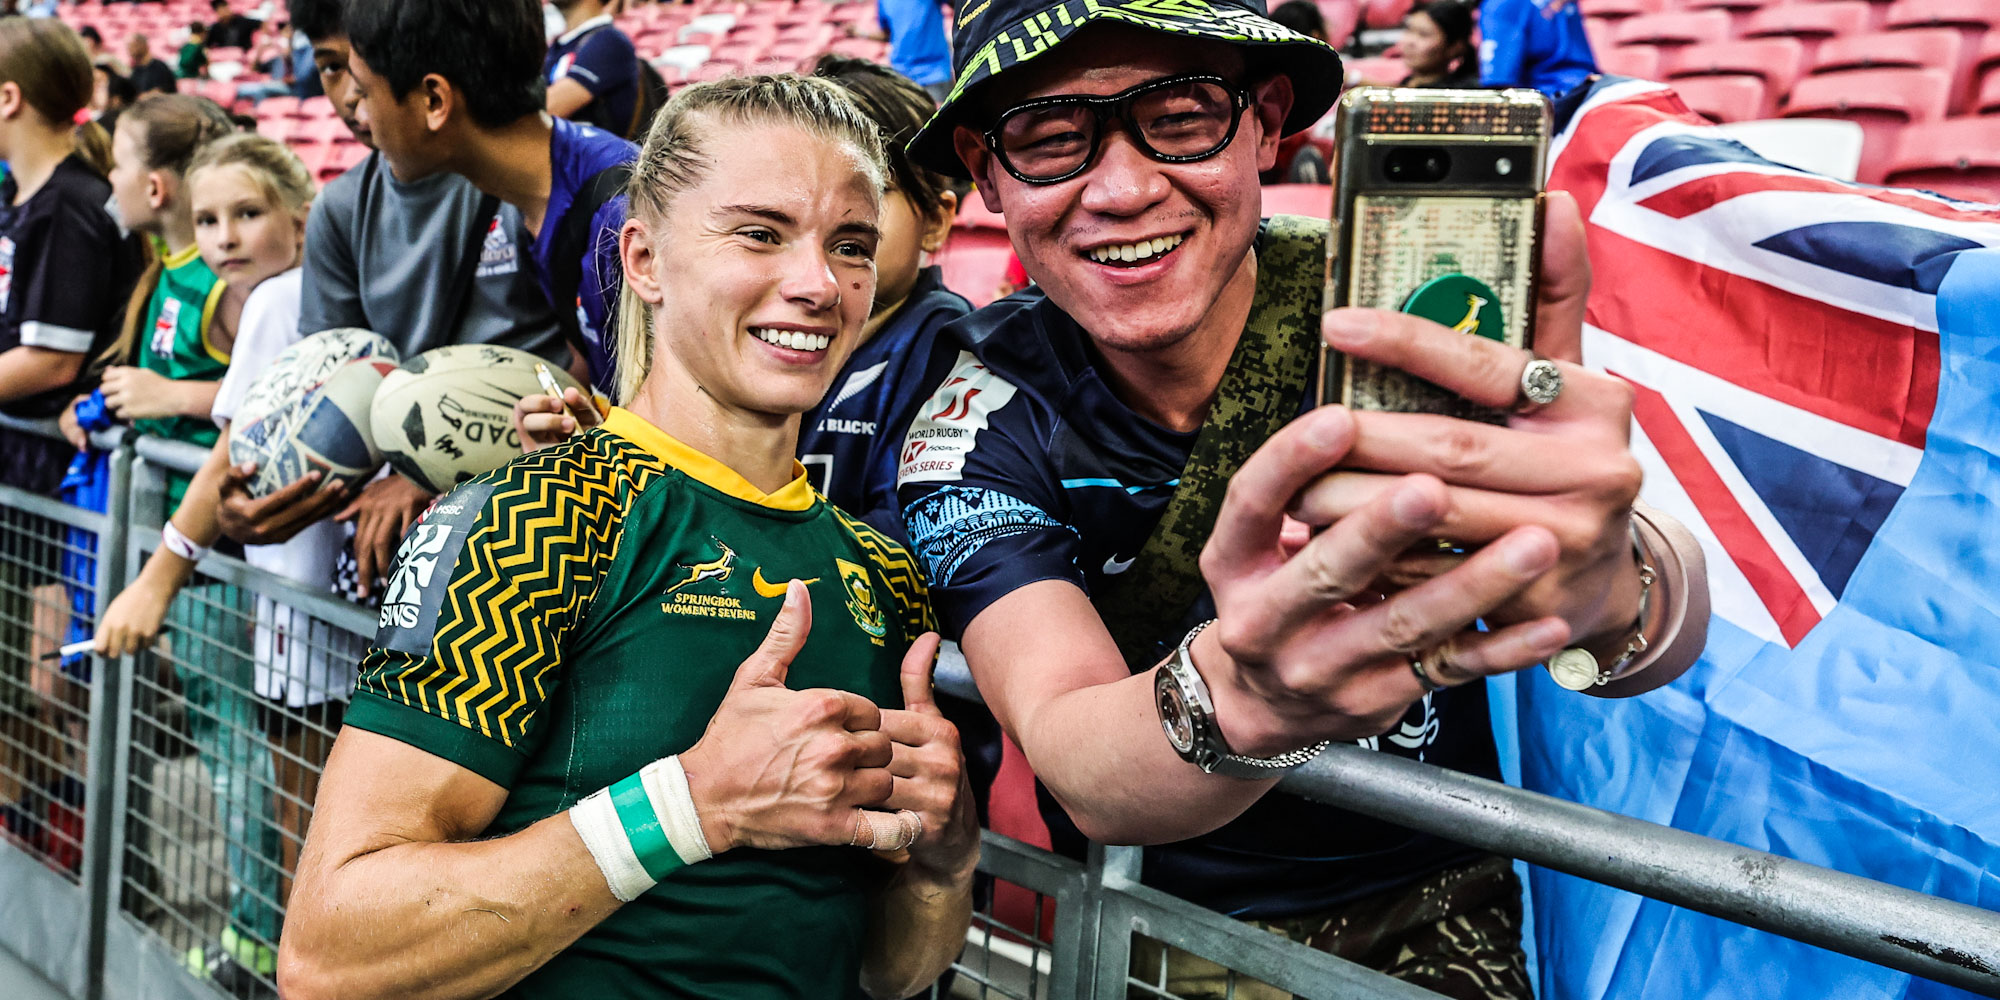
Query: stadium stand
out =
(1640, 61)
(1724, 98)
(1959, 158)
(1881, 101)
(1672, 31)
(1810, 23)
(1775, 62)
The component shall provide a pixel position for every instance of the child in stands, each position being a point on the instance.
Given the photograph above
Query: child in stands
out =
(250, 198)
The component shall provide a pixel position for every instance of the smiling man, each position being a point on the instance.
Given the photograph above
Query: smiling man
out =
(1105, 482)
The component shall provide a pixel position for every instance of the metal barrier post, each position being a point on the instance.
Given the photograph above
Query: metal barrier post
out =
(104, 797)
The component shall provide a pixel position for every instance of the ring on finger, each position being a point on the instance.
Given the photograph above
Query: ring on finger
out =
(1423, 674)
(1541, 384)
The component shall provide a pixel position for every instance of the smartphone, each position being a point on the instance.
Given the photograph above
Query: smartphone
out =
(1437, 211)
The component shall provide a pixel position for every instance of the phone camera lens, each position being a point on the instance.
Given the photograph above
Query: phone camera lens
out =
(1503, 166)
(1417, 165)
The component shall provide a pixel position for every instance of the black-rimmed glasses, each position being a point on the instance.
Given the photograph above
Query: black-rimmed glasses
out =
(1180, 119)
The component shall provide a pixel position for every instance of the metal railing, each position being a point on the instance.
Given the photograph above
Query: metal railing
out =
(164, 798)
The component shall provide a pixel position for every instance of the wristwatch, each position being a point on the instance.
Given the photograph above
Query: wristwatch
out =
(1188, 716)
(1576, 669)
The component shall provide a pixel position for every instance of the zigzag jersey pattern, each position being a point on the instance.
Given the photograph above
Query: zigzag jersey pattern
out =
(560, 622)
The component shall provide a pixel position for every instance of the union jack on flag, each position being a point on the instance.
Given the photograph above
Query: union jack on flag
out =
(1816, 366)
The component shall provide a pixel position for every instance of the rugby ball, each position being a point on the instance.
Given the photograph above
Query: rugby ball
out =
(448, 414)
(325, 428)
(305, 365)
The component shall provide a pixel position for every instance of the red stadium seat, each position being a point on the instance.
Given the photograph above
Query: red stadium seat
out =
(1739, 11)
(1673, 31)
(1917, 49)
(1810, 23)
(1602, 32)
(1618, 10)
(1987, 102)
(1881, 101)
(1312, 200)
(1974, 20)
(281, 106)
(316, 107)
(1383, 70)
(279, 128)
(340, 159)
(1776, 61)
(1959, 157)
(1342, 18)
(1724, 98)
(1640, 62)
(1385, 13)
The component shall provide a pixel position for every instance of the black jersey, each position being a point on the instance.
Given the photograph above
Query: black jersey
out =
(1025, 466)
(65, 272)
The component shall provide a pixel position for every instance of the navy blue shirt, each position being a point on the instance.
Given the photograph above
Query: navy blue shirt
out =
(578, 153)
(849, 442)
(601, 57)
(1526, 44)
(917, 46)
(1024, 466)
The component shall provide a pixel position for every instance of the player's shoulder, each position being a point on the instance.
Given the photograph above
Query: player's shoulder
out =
(591, 474)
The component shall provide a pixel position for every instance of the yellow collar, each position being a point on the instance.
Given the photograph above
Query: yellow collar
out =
(178, 260)
(795, 495)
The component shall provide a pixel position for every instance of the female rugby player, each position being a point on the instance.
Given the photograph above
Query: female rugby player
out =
(628, 728)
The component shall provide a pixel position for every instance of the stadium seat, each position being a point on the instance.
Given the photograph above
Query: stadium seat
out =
(1619, 10)
(1915, 49)
(1342, 18)
(975, 256)
(1640, 62)
(1821, 145)
(1602, 32)
(1672, 31)
(686, 58)
(340, 159)
(1723, 98)
(1776, 61)
(316, 107)
(716, 25)
(1881, 101)
(1385, 13)
(1381, 70)
(279, 128)
(1739, 11)
(282, 106)
(1974, 20)
(1988, 100)
(1311, 200)
(1959, 157)
(1810, 23)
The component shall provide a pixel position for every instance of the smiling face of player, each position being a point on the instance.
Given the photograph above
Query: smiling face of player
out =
(1135, 250)
(762, 271)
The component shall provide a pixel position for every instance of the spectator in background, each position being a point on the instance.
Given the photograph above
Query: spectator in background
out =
(149, 75)
(454, 86)
(231, 30)
(65, 269)
(1302, 16)
(386, 256)
(93, 46)
(1437, 46)
(592, 70)
(194, 53)
(110, 95)
(1533, 43)
(918, 49)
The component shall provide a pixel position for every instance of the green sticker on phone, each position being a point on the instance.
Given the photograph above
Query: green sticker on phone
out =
(1462, 302)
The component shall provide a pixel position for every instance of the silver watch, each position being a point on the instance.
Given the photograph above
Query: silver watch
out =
(1188, 716)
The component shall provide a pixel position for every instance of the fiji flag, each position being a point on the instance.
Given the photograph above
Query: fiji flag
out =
(1816, 366)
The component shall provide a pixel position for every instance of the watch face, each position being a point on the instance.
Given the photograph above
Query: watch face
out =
(1574, 669)
(1174, 717)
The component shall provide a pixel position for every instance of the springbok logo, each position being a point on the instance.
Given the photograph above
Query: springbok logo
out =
(861, 599)
(717, 569)
(1470, 322)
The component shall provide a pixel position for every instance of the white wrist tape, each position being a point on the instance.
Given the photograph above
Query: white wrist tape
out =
(641, 828)
(179, 544)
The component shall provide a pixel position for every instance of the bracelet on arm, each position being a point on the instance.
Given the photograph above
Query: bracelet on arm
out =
(181, 545)
(642, 828)
(1576, 669)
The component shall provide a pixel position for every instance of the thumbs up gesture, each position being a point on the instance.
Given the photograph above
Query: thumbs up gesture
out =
(779, 768)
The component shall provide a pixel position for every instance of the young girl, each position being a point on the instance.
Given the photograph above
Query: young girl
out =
(64, 269)
(181, 320)
(249, 197)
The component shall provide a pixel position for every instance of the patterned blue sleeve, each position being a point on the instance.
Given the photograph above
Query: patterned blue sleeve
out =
(979, 504)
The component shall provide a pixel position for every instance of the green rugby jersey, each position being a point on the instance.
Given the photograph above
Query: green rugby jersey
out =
(560, 622)
(173, 341)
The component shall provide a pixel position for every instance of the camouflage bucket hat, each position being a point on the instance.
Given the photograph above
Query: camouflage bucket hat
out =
(995, 36)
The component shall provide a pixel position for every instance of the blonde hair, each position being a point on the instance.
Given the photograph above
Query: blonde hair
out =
(674, 158)
(277, 171)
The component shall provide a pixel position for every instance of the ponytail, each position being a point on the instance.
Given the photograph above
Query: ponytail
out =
(93, 146)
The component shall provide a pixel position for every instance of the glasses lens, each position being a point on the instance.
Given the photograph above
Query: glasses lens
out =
(1048, 141)
(1191, 118)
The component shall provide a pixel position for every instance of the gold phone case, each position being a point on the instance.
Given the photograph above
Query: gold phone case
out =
(1438, 211)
